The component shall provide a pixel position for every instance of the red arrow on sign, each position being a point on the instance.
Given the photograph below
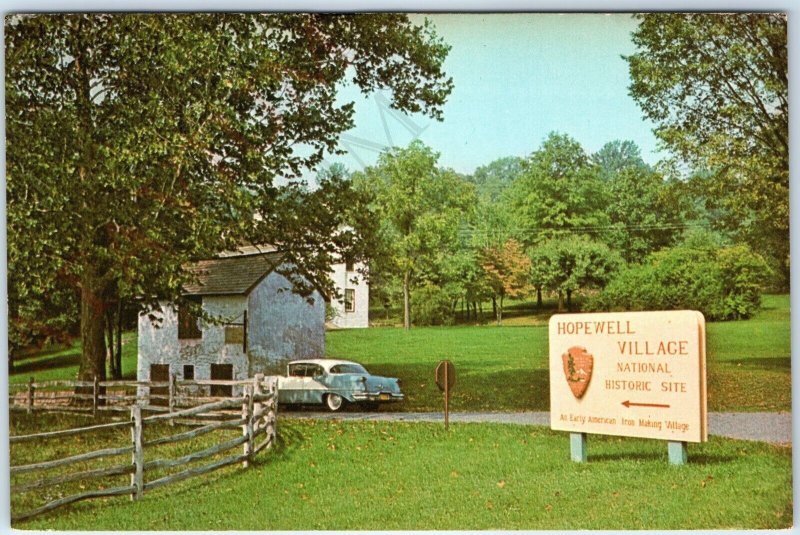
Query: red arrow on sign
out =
(631, 403)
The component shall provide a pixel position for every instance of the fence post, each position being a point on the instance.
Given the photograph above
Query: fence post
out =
(247, 428)
(30, 395)
(172, 386)
(95, 393)
(258, 405)
(137, 477)
(272, 415)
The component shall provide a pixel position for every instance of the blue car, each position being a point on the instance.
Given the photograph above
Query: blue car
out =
(334, 383)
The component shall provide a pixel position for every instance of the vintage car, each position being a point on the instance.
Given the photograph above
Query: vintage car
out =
(335, 383)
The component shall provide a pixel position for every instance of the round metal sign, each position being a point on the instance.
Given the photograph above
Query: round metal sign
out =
(445, 375)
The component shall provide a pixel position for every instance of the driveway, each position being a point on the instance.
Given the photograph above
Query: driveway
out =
(773, 427)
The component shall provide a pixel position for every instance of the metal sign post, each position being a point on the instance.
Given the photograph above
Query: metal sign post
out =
(445, 379)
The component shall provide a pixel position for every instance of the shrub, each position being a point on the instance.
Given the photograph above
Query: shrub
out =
(432, 306)
(723, 283)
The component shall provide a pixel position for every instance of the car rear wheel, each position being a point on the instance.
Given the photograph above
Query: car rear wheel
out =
(334, 402)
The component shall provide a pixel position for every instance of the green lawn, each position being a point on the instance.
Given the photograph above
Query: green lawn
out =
(62, 363)
(505, 368)
(400, 476)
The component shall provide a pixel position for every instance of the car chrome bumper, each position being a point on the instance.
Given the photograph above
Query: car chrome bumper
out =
(377, 396)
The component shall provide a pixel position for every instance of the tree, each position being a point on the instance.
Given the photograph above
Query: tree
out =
(420, 207)
(616, 156)
(717, 88)
(559, 190)
(574, 263)
(507, 271)
(139, 143)
(645, 213)
(723, 282)
(491, 180)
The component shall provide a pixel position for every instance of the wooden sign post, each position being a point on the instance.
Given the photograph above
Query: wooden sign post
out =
(445, 379)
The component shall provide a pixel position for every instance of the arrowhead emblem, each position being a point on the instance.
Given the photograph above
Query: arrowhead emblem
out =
(578, 365)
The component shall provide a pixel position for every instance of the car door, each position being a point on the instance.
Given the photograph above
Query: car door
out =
(314, 387)
(290, 388)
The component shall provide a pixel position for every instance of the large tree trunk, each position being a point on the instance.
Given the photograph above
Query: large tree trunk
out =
(569, 300)
(500, 311)
(93, 341)
(406, 301)
(118, 355)
(539, 297)
(494, 306)
(560, 301)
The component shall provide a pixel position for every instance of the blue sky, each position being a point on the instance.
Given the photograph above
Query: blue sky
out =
(517, 77)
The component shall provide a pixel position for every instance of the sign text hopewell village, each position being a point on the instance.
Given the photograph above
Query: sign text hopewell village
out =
(638, 374)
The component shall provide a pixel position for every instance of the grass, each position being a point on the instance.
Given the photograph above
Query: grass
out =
(62, 363)
(505, 368)
(392, 476)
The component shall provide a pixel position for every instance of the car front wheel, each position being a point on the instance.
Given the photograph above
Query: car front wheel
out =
(334, 402)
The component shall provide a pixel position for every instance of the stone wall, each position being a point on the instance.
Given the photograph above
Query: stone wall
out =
(282, 325)
(162, 346)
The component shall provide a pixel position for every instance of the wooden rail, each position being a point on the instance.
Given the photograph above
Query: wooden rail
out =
(94, 396)
(256, 415)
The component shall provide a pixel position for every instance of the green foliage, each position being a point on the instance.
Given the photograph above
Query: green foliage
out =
(644, 211)
(571, 264)
(559, 190)
(722, 283)
(717, 88)
(492, 180)
(432, 306)
(139, 143)
(419, 208)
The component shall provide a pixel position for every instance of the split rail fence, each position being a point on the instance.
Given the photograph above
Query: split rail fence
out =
(254, 412)
(95, 396)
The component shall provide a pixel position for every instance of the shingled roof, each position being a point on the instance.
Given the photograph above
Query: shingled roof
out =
(231, 275)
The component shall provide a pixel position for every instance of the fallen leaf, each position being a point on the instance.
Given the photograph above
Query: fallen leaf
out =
(501, 484)
(548, 507)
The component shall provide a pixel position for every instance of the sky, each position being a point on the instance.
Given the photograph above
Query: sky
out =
(517, 77)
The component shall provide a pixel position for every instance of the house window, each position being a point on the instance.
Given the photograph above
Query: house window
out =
(349, 300)
(348, 265)
(187, 322)
(188, 372)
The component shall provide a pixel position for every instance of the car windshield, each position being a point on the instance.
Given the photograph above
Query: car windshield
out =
(348, 368)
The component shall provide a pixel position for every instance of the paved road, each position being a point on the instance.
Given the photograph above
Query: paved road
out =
(762, 426)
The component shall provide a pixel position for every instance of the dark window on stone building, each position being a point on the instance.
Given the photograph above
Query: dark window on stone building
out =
(188, 372)
(187, 321)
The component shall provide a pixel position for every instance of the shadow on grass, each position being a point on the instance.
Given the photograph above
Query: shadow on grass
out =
(709, 459)
(769, 363)
(625, 456)
(63, 361)
(476, 389)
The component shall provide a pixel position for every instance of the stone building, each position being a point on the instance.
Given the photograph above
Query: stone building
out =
(260, 323)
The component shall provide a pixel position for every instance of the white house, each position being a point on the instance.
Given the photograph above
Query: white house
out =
(352, 311)
(261, 323)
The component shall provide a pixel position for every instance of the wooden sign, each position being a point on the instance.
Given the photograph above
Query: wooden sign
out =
(638, 374)
(445, 380)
